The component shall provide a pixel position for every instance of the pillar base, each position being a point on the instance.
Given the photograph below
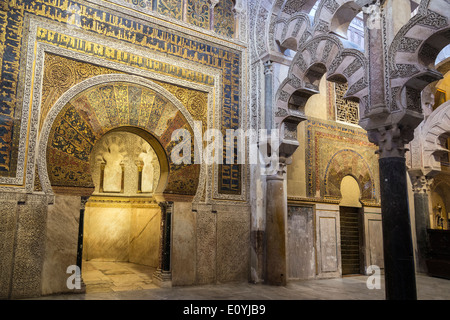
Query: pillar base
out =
(162, 279)
(82, 287)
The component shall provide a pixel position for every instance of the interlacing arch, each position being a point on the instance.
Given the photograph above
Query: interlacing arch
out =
(291, 29)
(321, 54)
(435, 127)
(321, 48)
(320, 41)
(413, 53)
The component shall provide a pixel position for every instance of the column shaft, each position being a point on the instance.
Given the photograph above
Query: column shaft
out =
(422, 222)
(163, 275)
(276, 266)
(165, 266)
(268, 94)
(397, 241)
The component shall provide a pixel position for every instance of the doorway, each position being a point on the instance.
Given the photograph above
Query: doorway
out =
(121, 223)
(351, 224)
(350, 240)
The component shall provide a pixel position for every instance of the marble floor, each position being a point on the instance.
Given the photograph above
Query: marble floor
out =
(109, 277)
(125, 281)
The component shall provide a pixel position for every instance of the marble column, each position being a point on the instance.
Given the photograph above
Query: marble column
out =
(400, 281)
(421, 188)
(84, 200)
(268, 94)
(276, 227)
(390, 132)
(276, 198)
(213, 3)
(163, 275)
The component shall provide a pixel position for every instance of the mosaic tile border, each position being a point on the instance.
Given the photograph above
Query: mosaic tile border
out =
(37, 49)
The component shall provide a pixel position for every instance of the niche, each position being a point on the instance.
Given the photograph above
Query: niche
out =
(122, 219)
(124, 164)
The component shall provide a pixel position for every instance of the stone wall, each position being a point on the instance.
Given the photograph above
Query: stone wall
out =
(301, 245)
(210, 243)
(373, 238)
(144, 236)
(61, 243)
(314, 240)
(22, 234)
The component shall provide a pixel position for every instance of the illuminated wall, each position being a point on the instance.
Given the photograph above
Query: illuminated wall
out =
(156, 66)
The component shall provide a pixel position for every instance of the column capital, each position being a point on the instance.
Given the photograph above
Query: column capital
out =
(165, 205)
(391, 140)
(213, 3)
(268, 67)
(372, 9)
(84, 200)
(421, 184)
(277, 170)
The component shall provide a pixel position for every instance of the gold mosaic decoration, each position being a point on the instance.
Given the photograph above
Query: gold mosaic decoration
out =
(60, 74)
(95, 111)
(194, 12)
(116, 27)
(196, 102)
(224, 18)
(126, 58)
(333, 151)
(197, 13)
(171, 8)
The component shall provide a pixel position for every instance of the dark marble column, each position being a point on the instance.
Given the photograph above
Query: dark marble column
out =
(421, 187)
(400, 279)
(163, 275)
(390, 134)
(422, 224)
(166, 237)
(84, 200)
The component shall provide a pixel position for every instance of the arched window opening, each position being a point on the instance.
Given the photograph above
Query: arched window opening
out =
(355, 31)
(346, 110)
(443, 55)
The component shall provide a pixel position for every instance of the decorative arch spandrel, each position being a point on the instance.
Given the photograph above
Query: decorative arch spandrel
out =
(86, 122)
